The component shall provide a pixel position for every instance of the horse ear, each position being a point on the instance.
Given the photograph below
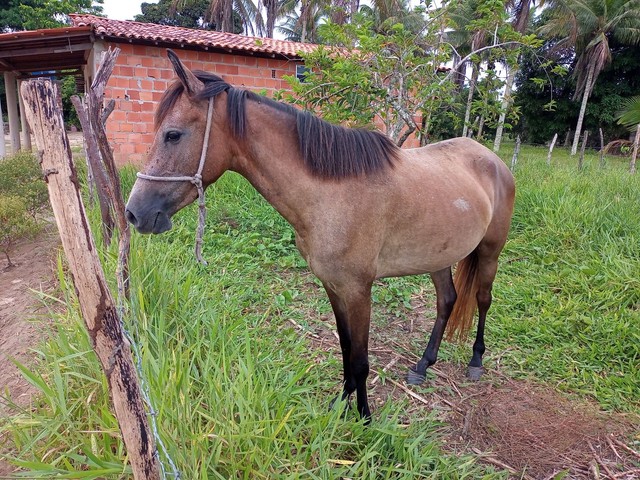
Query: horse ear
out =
(191, 83)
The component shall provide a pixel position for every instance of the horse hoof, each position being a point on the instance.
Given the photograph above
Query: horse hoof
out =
(474, 373)
(415, 378)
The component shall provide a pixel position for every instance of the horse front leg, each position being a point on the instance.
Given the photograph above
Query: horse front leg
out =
(445, 299)
(352, 309)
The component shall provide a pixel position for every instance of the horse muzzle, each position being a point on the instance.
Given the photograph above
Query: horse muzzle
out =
(152, 222)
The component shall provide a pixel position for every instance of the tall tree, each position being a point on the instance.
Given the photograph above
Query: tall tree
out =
(476, 24)
(544, 93)
(36, 14)
(588, 26)
(191, 15)
(301, 25)
(520, 12)
(222, 13)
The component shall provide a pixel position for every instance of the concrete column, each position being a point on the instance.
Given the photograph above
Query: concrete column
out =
(12, 110)
(3, 150)
(26, 131)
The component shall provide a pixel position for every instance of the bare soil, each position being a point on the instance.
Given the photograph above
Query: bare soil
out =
(23, 318)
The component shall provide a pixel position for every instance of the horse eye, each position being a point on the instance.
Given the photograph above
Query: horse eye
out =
(172, 136)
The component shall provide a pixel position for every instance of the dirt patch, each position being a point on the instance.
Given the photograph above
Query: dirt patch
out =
(528, 429)
(536, 432)
(22, 314)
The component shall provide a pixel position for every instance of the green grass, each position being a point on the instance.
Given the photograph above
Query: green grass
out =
(240, 394)
(567, 295)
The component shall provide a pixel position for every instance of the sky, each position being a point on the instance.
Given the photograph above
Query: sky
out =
(123, 9)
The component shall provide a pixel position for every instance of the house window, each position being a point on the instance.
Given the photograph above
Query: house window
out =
(301, 72)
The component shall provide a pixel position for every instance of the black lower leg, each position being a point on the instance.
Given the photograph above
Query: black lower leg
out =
(361, 372)
(475, 365)
(446, 298)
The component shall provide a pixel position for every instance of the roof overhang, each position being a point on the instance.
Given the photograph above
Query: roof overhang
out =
(40, 52)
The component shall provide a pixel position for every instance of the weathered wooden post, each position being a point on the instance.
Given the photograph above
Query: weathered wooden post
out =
(634, 155)
(601, 149)
(553, 143)
(97, 170)
(96, 302)
(584, 145)
(516, 152)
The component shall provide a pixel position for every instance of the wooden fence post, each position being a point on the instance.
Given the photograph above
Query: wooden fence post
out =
(584, 145)
(516, 152)
(553, 143)
(634, 155)
(601, 149)
(96, 302)
(97, 170)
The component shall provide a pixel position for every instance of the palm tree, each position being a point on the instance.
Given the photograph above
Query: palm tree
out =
(386, 13)
(473, 27)
(520, 11)
(302, 25)
(587, 26)
(222, 12)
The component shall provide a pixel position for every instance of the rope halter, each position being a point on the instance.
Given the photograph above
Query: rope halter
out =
(197, 181)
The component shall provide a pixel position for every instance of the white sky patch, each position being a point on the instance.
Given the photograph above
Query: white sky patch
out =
(123, 9)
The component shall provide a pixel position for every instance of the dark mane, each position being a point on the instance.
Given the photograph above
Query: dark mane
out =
(328, 150)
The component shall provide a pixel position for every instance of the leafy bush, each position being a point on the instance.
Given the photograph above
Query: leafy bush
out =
(16, 223)
(21, 176)
(23, 193)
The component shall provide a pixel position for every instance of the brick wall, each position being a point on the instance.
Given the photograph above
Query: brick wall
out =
(143, 73)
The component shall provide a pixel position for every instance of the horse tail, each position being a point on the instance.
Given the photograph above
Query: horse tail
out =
(466, 284)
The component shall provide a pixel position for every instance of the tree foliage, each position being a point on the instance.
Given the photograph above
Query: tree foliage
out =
(193, 14)
(36, 14)
(629, 116)
(544, 94)
(389, 76)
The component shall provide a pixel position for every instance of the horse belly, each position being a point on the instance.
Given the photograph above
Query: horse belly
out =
(418, 250)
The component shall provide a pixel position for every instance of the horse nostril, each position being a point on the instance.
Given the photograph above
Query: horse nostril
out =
(131, 217)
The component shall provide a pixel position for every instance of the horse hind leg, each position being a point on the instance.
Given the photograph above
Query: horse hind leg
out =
(445, 300)
(488, 253)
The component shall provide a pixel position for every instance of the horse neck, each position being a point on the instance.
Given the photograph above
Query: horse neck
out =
(270, 160)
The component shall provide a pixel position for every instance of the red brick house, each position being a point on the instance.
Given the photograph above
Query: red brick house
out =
(142, 72)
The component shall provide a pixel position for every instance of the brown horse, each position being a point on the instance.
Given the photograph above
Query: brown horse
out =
(362, 209)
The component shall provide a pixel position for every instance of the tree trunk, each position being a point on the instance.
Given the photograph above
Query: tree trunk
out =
(303, 19)
(472, 87)
(504, 108)
(583, 108)
(96, 303)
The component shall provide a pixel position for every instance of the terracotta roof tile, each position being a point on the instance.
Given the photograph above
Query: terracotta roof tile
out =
(205, 38)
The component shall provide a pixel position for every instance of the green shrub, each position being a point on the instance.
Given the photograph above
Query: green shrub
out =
(16, 223)
(21, 176)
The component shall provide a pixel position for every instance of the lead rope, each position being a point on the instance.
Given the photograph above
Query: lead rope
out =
(197, 181)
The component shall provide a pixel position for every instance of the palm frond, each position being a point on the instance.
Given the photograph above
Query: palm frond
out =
(629, 116)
